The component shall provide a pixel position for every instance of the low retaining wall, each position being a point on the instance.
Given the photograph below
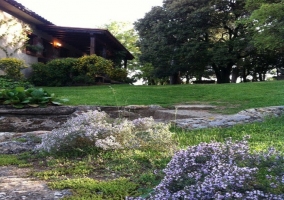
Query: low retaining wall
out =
(51, 117)
(32, 119)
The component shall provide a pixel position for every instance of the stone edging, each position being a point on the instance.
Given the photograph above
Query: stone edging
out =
(245, 116)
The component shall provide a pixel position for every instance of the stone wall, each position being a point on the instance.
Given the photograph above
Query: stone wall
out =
(33, 119)
(51, 117)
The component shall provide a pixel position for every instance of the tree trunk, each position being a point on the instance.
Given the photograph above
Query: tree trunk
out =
(175, 79)
(235, 74)
(223, 73)
(244, 75)
(187, 78)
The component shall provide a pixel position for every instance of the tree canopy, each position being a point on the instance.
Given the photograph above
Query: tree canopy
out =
(128, 37)
(186, 37)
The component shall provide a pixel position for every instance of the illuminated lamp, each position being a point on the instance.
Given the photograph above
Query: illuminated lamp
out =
(57, 44)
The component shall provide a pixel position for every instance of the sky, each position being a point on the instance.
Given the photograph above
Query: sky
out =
(90, 13)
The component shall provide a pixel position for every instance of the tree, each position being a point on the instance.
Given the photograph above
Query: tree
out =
(125, 33)
(267, 21)
(188, 35)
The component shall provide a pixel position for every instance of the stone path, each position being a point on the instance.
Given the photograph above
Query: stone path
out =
(16, 185)
(208, 120)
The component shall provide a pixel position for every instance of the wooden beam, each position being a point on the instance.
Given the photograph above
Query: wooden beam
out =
(93, 44)
(125, 63)
(104, 52)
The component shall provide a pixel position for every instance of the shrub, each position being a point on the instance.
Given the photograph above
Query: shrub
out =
(39, 76)
(60, 71)
(57, 72)
(95, 129)
(222, 171)
(119, 74)
(12, 67)
(92, 66)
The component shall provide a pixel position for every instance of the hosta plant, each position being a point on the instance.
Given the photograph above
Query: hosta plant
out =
(20, 97)
(8, 83)
(222, 171)
(95, 129)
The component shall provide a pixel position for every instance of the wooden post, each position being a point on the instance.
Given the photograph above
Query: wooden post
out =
(93, 44)
(125, 63)
(104, 52)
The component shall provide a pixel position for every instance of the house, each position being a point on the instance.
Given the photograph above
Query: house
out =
(46, 41)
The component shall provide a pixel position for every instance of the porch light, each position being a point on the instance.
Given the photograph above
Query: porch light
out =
(57, 44)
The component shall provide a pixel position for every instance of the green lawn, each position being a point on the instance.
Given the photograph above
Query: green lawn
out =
(232, 97)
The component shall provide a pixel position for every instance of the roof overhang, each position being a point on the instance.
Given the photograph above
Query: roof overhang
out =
(80, 37)
(21, 12)
(76, 37)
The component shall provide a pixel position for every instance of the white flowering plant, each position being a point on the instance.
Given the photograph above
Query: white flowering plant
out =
(96, 130)
(222, 171)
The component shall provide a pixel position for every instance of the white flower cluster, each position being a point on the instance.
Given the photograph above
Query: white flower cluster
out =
(218, 171)
(97, 129)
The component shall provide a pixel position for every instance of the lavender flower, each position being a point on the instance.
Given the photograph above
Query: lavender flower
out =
(216, 171)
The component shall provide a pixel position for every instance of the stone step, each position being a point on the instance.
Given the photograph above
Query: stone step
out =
(194, 107)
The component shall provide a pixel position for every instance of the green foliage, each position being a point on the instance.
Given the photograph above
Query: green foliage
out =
(12, 67)
(75, 168)
(7, 83)
(267, 20)
(39, 75)
(19, 97)
(187, 36)
(126, 34)
(148, 75)
(75, 71)
(144, 167)
(60, 71)
(86, 188)
(92, 66)
(57, 72)
(119, 74)
(13, 40)
(10, 160)
(262, 135)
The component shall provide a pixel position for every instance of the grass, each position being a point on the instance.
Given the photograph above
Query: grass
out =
(116, 174)
(232, 97)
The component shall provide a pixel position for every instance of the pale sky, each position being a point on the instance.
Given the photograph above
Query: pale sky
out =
(90, 13)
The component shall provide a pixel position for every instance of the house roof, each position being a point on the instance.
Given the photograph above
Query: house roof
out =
(80, 37)
(20, 11)
(76, 37)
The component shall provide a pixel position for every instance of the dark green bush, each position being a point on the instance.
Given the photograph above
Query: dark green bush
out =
(119, 74)
(75, 71)
(12, 67)
(39, 76)
(89, 67)
(57, 72)
(60, 71)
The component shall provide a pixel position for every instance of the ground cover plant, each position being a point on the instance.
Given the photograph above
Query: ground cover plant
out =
(20, 97)
(8, 83)
(231, 97)
(146, 173)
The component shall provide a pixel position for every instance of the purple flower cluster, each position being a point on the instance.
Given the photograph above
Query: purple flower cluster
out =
(216, 171)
